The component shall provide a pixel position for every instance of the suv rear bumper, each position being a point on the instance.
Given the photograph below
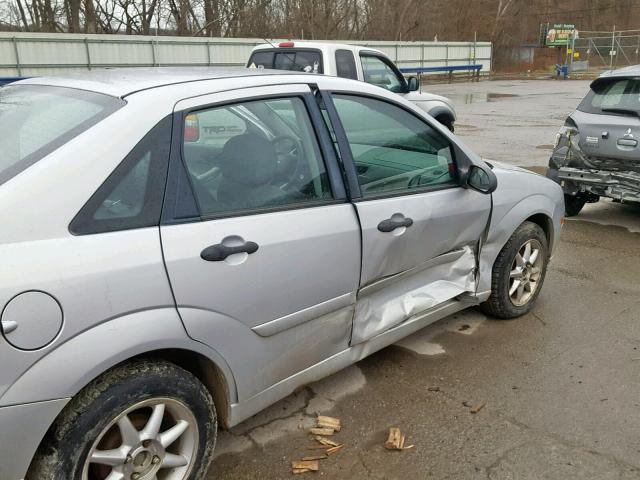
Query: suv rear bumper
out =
(622, 186)
(22, 427)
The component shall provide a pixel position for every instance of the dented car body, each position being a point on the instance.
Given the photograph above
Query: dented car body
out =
(234, 233)
(596, 152)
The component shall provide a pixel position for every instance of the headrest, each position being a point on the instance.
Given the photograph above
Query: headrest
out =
(249, 159)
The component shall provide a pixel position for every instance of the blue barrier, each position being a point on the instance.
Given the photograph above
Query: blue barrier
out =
(5, 80)
(474, 69)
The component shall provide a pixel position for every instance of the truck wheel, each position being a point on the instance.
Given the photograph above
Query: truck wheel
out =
(518, 273)
(139, 421)
(446, 121)
(573, 204)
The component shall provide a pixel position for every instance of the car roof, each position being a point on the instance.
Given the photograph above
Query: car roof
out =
(631, 71)
(120, 82)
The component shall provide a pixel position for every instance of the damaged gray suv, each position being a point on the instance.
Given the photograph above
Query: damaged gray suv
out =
(596, 152)
(181, 248)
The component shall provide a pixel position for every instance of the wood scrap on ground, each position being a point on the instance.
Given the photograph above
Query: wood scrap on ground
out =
(325, 426)
(396, 440)
(304, 466)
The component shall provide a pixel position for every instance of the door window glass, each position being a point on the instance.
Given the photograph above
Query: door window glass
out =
(379, 73)
(346, 64)
(254, 155)
(393, 150)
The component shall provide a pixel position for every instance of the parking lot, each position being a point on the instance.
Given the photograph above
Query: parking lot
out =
(559, 386)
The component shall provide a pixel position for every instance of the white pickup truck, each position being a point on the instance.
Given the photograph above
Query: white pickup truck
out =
(351, 61)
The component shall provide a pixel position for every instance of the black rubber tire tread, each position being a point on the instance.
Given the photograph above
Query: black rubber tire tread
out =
(573, 205)
(447, 122)
(68, 441)
(499, 305)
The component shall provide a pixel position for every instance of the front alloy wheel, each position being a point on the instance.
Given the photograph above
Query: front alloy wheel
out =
(143, 420)
(526, 271)
(518, 273)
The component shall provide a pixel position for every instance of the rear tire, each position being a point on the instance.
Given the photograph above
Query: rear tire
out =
(135, 420)
(515, 263)
(573, 205)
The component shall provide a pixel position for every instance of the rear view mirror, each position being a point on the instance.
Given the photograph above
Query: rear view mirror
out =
(481, 180)
(413, 83)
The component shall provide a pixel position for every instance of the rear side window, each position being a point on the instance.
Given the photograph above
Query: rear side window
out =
(132, 195)
(621, 96)
(36, 120)
(346, 64)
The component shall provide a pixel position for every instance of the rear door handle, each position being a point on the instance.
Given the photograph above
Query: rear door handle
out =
(627, 142)
(390, 224)
(219, 252)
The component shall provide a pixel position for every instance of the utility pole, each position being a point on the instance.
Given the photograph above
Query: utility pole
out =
(613, 45)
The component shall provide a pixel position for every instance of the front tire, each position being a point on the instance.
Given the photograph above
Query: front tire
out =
(573, 205)
(139, 421)
(518, 273)
(447, 122)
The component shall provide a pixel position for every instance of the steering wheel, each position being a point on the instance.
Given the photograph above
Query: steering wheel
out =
(289, 153)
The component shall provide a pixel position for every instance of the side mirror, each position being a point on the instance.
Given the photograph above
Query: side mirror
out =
(481, 180)
(413, 84)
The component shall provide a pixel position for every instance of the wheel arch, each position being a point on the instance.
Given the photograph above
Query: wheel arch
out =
(204, 369)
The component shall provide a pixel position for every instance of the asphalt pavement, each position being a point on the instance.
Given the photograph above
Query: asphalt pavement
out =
(559, 388)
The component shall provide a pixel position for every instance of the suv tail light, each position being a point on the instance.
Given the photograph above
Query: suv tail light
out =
(191, 128)
(286, 44)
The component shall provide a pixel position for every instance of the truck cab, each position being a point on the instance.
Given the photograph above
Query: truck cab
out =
(351, 61)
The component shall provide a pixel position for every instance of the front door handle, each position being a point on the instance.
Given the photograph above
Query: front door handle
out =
(219, 252)
(390, 224)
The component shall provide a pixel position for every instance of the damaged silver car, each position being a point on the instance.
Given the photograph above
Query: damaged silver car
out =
(596, 152)
(181, 248)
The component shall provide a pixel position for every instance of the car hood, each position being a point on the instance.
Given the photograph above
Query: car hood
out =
(427, 97)
(497, 166)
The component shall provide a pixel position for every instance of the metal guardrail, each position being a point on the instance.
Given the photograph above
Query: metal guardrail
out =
(474, 69)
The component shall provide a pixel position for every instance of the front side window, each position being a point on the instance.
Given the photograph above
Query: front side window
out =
(36, 120)
(377, 72)
(615, 96)
(254, 155)
(393, 150)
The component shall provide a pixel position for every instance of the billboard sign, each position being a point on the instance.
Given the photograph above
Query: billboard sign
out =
(559, 34)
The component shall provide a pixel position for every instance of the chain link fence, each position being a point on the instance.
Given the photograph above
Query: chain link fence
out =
(595, 52)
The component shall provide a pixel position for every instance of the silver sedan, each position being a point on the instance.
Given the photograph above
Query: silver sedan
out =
(181, 248)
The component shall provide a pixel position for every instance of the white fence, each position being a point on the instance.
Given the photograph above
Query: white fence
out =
(34, 54)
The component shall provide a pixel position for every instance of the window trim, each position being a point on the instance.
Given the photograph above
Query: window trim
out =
(276, 50)
(177, 162)
(346, 153)
(387, 61)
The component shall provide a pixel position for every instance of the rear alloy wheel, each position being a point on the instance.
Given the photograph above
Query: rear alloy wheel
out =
(573, 204)
(518, 273)
(146, 420)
